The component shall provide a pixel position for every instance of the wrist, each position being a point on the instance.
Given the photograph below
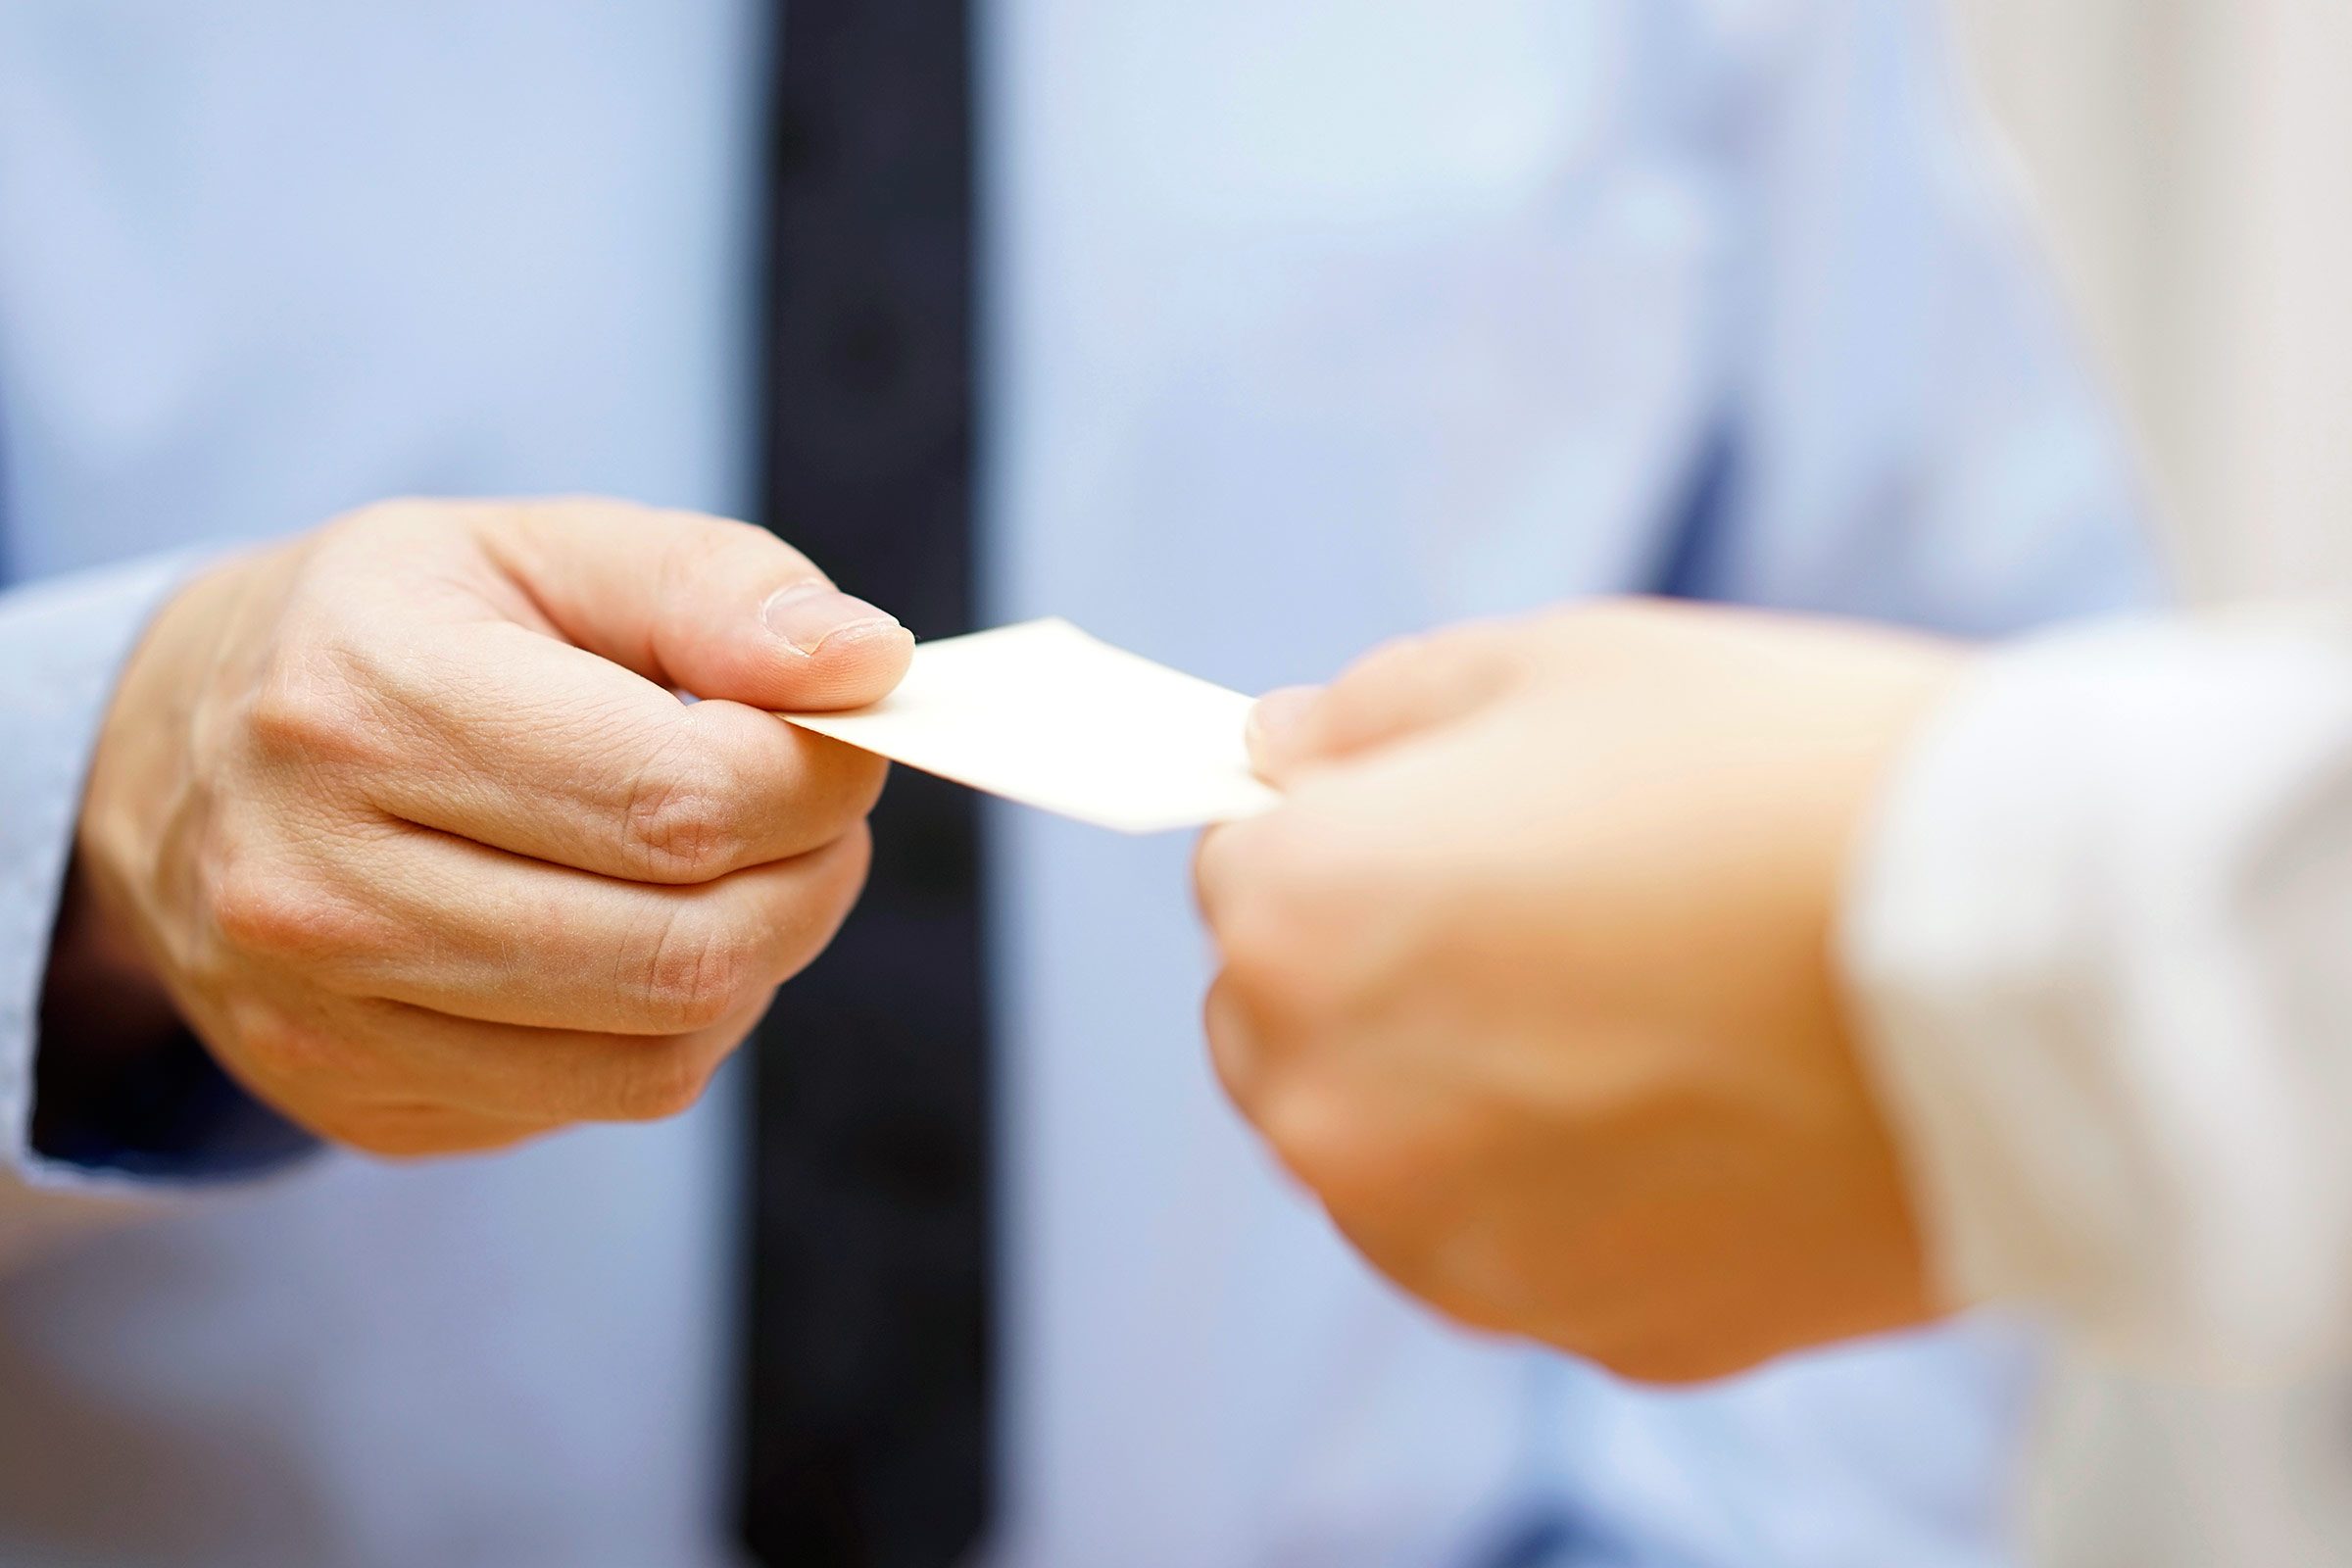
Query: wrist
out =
(146, 790)
(119, 1080)
(107, 1019)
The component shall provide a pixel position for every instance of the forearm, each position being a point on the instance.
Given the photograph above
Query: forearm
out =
(2100, 945)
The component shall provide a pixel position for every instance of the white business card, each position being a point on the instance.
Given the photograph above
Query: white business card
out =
(1042, 714)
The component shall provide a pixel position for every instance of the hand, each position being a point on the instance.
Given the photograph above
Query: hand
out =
(1529, 978)
(405, 820)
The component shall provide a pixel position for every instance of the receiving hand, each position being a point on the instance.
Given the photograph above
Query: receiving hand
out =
(1529, 979)
(403, 817)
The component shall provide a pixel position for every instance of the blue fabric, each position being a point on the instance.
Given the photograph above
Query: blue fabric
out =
(179, 1118)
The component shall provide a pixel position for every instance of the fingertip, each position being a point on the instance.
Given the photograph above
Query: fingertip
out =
(1277, 732)
(838, 650)
(813, 613)
(1401, 689)
(864, 664)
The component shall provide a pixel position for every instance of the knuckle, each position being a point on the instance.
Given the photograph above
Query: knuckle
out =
(1236, 1047)
(1321, 1138)
(697, 971)
(723, 539)
(301, 710)
(695, 546)
(264, 912)
(683, 821)
(289, 1049)
(1274, 984)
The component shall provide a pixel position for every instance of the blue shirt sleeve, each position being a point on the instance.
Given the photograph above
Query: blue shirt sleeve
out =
(180, 1118)
(62, 645)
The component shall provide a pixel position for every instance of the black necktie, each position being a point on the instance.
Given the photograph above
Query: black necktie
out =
(866, 1424)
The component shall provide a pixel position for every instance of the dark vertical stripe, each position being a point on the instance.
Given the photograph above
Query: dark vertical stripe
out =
(868, 1381)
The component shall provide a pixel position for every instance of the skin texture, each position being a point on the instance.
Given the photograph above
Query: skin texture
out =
(404, 819)
(1529, 979)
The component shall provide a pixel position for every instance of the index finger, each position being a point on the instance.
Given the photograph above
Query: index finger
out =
(515, 740)
(716, 607)
(1400, 689)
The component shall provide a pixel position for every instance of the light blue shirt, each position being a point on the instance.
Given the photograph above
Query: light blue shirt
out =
(1309, 322)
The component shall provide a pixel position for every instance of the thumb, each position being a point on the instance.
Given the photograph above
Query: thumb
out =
(1399, 690)
(715, 607)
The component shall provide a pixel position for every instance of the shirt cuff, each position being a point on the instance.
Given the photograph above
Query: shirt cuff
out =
(64, 643)
(2089, 948)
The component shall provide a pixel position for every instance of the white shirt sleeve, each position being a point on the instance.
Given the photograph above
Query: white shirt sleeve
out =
(2099, 946)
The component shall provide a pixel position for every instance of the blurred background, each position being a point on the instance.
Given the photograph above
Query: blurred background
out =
(2188, 161)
